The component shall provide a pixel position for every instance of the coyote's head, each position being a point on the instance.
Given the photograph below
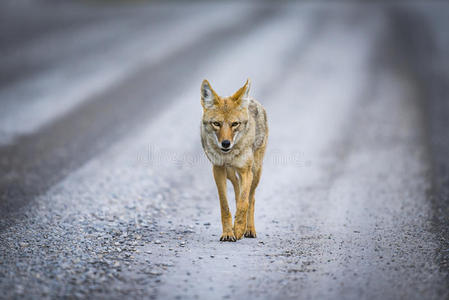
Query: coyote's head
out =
(225, 117)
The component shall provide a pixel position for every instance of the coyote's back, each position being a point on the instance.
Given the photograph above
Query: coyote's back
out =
(257, 111)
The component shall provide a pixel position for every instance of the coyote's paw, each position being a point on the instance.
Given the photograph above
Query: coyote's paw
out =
(227, 237)
(239, 229)
(250, 233)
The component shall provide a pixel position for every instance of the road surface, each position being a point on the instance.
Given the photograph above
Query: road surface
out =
(105, 191)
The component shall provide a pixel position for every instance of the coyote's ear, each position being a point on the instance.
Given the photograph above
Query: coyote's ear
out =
(241, 97)
(208, 96)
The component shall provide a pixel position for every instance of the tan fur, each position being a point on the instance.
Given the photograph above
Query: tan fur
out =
(242, 165)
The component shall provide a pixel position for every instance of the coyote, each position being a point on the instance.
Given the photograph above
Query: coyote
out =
(234, 133)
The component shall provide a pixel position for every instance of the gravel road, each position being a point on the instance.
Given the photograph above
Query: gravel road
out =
(105, 191)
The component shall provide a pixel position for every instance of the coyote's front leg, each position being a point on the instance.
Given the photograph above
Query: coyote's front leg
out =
(246, 176)
(226, 217)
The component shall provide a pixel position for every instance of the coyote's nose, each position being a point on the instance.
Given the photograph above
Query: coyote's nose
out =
(226, 144)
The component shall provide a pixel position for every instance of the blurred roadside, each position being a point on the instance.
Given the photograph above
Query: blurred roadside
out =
(422, 38)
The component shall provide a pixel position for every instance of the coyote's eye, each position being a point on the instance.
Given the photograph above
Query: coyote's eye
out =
(216, 124)
(235, 124)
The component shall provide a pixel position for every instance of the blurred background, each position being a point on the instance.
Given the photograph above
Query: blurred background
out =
(105, 191)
